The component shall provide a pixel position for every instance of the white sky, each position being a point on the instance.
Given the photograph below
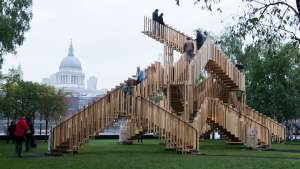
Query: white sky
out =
(106, 35)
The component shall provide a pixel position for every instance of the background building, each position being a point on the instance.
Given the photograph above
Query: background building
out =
(70, 78)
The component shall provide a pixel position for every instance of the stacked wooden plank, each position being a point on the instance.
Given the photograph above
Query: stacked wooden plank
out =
(277, 130)
(232, 123)
(168, 65)
(145, 115)
(209, 55)
(209, 104)
(164, 34)
(209, 87)
(221, 66)
(92, 119)
(181, 71)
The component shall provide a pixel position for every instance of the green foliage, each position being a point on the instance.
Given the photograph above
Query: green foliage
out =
(157, 97)
(8, 90)
(232, 46)
(28, 97)
(15, 16)
(201, 77)
(263, 18)
(272, 74)
(272, 80)
(51, 102)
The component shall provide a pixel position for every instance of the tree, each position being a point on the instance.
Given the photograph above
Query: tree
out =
(8, 89)
(272, 75)
(51, 103)
(264, 18)
(28, 97)
(15, 16)
(232, 46)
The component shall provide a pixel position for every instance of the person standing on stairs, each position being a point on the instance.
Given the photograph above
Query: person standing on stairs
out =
(200, 38)
(161, 24)
(21, 129)
(155, 20)
(240, 66)
(140, 75)
(188, 49)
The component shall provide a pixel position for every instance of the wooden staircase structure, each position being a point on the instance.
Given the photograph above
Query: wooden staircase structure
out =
(189, 108)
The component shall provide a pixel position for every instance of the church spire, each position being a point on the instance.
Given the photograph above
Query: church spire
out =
(71, 50)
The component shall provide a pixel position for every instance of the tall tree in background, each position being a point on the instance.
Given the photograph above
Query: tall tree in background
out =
(232, 46)
(263, 17)
(28, 97)
(15, 16)
(51, 103)
(8, 90)
(272, 75)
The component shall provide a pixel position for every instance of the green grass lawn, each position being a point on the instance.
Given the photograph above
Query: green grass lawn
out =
(107, 154)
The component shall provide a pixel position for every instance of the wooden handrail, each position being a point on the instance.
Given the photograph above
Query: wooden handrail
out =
(78, 127)
(175, 39)
(212, 104)
(145, 115)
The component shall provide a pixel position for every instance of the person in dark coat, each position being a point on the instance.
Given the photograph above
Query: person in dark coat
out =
(29, 136)
(140, 138)
(200, 38)
(155, 19)
(140, 75)
(188, 49)
(21, 129)
(155, 15)
(161, 22)
(160, 19)
(240, 66)
(11, 132)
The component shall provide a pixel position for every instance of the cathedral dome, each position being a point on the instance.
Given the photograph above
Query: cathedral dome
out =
(70, 61)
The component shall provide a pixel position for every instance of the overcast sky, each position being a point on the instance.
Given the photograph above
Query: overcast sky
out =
(106, 35)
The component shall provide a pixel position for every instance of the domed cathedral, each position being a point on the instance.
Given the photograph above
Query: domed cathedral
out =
(70, 78)
(70, 73)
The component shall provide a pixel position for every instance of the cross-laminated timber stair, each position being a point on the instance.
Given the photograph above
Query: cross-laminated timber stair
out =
(201, 107)
(76, 130)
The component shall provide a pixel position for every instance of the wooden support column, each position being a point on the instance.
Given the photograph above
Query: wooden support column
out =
(168, 63)
(188, 102)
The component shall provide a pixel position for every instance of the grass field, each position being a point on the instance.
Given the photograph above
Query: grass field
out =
(107, 154)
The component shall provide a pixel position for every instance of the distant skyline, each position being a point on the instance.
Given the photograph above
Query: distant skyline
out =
(106, 35)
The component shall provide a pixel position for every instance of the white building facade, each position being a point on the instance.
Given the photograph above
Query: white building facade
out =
(71, 79)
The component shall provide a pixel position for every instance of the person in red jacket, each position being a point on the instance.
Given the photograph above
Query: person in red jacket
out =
(21, 128)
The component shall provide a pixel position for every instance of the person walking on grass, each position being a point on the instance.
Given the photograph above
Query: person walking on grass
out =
(11, 132)
(29, 136)
(140, 138)
(21, 129)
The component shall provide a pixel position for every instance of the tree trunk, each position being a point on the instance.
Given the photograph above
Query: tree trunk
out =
(33, 119)
(40, 124)
(15, 115)
(46, 129)
(7, 122)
